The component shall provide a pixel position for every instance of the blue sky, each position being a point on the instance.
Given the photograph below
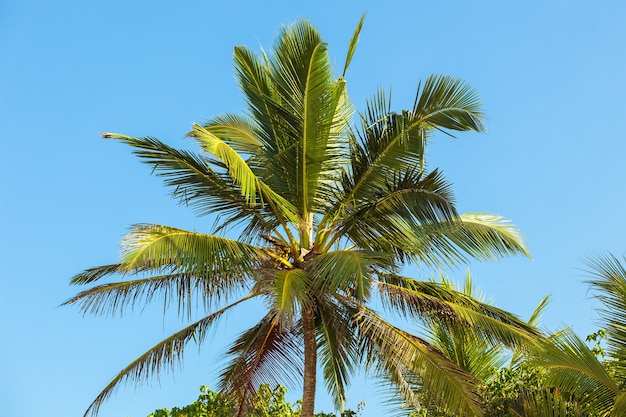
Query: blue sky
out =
(550, 75)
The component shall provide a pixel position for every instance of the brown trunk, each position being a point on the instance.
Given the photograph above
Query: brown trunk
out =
(310, 362)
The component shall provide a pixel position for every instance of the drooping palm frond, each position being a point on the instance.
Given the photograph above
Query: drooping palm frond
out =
(182, 289)
(398, 355)
(433, 302)
(463, 345)
(289, 293)
(338, 347)
(346, 271)
(168, 353)
(268, 352)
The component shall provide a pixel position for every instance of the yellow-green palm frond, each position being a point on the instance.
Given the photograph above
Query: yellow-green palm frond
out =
(156, 246)
(237, 131)
(476, 235)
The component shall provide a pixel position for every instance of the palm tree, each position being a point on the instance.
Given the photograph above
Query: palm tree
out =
(328, 211)
(597, 388)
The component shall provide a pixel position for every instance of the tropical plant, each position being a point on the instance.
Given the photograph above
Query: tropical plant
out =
(501, 386)
(328, 213)
(597, 387)
(267, 402)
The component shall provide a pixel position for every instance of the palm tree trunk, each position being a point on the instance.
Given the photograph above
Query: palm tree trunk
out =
(310, 362)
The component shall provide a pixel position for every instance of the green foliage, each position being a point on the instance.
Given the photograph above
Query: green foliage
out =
(268, 402)
(503, 391)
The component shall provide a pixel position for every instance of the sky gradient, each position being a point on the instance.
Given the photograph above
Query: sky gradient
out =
(550, 75)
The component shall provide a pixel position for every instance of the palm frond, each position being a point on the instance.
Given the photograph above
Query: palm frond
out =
(268, 352)
(289, 293)
(94, 274)
(237, 131)
(575, 369)
(183, 289)
(338, 347)
(191, 176)
(407, 201)
(433, 302)
(352, 45)
(463, 346)
(447, 103)
(156, 247)
(608, 283)
(166, 354)
(481, 236)
(347, 271)
(396, 353)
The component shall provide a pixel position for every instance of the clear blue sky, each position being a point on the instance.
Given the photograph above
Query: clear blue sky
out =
(551, 75)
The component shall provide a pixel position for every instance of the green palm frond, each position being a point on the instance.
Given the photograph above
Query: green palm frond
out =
(487, 236)
(463, 346)
(289, 293)
(477, 235)
(352, 45)
(430, 301)
(94, 274)
(388, 217)
(608, 283)
(347, 271)
(448, 103)
(194, 181)
(184, 290)
(385, 143)
(396, 354)
(168, 353)
(575, 369)
(268, 352)
(338, 347)
(550, 403)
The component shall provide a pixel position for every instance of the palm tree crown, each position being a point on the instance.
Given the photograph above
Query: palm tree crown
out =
(329, 210)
